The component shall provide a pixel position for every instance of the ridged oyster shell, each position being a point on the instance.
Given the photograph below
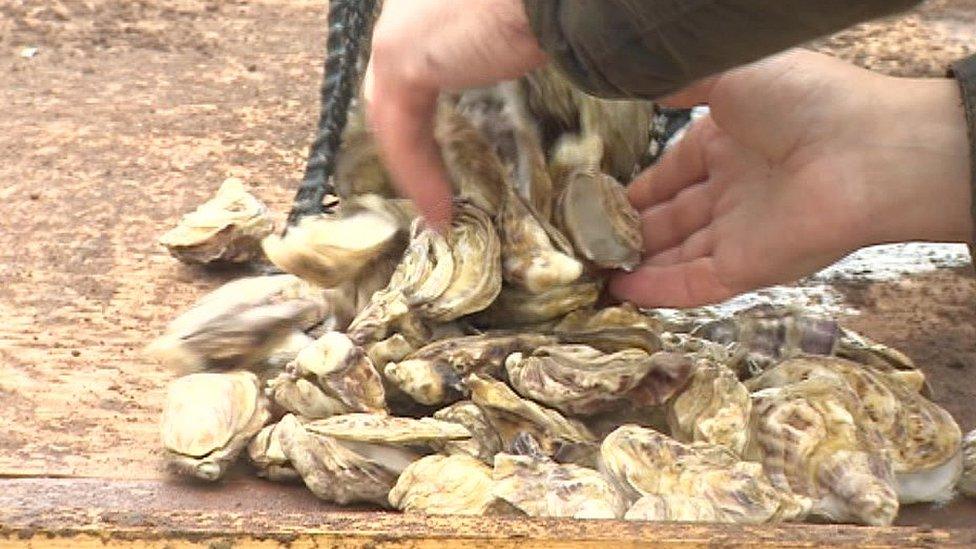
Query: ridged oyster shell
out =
(922, 438)
(484, 442)
(814, 438)
(713, 407)
(329, 377)
(643, 462)
(511, 415)
(228, 227)
(266, 454)
(208, 419)
(358, 458)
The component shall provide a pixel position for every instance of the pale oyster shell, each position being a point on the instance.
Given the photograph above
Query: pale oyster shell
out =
(511, 415)
(577, 379)
(240, 324)
(967, 482)
(266, 454)
(814, 438)
(392, 349)
(713, 407)
(330, 376)
(540, 487)
(675, 508)
(484, 442)
(625, 315)
(445, 485)
(332, 248)
(208, 419)
(518, 307)
(644, 462)
(531, 258)
(433, 374)
(593, 211)
(228, 227)
(921, 437)
(358, 457)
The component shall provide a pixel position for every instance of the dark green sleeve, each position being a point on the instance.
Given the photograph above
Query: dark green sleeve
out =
(650, 48)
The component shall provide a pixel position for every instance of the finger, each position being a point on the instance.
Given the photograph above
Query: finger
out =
(681, 166)
(690, 284)
(695, 94)
(700, 244)
(670, 223)
(403, 123)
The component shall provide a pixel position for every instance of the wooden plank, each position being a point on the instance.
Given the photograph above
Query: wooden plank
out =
(105, 513)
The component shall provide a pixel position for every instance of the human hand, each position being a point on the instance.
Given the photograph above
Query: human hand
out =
(802, 160)
(421, 47)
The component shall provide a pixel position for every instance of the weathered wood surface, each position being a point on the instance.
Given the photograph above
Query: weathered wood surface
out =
(129, 115)
(146, 513)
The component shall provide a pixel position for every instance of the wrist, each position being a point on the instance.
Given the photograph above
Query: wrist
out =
(917, 168)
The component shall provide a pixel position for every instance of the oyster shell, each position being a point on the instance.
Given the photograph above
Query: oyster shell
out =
(330, 249)
(208, 419)
(433, 374)
(643, 462)
(814, 438)
(392, 349)
(577, 379)
(228, 227)
(331, 376)
(445, 485)
(285, 352)
(922, 439)
(540, 487)
(240, 324)
(593, 211)
(675, 508)
(967, 482)
(266, 454)
(713, 407)
(533, 258)
(359, 169)
(358, 457)
(625, 315)
(518, 307)
(484, 442)
(511, 415)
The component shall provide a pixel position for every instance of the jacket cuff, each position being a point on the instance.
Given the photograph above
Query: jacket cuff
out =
(964, 71)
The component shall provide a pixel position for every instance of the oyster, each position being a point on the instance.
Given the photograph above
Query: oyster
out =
(330, 249)
(445, 485)
(625, 315)
(228, 227)
(577, 379)
(540, 487)
(287, 351)
(922, 438)
(593, 211)
(518, 307)
(240, 324)
(358, 457)
(433, 374)
(331, 376)
(359, 169)
(814, 438)
(967, 482)
(533, 258)
(511, 415)
(208, 419)
(713, 407)
(266, 454)
(484, 442)
(642, 462)
(392, 349)
(675, 508)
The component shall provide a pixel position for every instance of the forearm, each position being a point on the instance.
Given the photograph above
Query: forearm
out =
(650, 48)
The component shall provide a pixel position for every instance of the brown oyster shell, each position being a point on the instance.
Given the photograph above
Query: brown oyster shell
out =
(517, 307)
(228, 227)
(484, 442)
(445, 485)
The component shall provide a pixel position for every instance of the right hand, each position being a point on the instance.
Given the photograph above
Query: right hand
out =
(802, 159)
(423, 47)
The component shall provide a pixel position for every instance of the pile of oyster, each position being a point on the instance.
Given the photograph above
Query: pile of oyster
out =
(478, 371)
